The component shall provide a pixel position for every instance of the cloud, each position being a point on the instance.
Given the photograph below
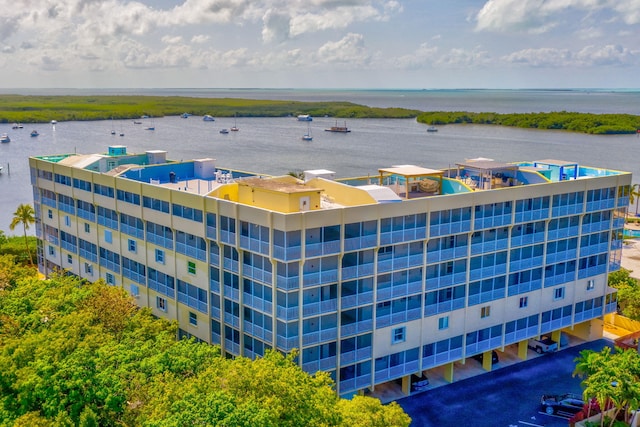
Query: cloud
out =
(609, 55)
(200, 39)
(276, 27)
(350, 50)
(542, 57)
(463, 58)
(590, 56)
(171, 39)
(421, 57)
(539, 16)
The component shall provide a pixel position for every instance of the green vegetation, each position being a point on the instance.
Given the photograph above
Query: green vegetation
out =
(613, 379)
(38, 109)
(577, 122)
(80, 354)
(26, 216)
(628, 293)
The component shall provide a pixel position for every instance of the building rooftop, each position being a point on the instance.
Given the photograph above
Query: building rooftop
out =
(392, 184)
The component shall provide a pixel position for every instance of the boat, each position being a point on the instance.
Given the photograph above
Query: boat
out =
(224, 130)
(34, 133)
(432, 129)
(137, 122)
(307, 136)
(305, 118)
(152, 127)
(339, 129)
(208, 118)
(54, 122)
(234, 128)
(5, 138)
(17, 126)
(144, 117)
(185, 115)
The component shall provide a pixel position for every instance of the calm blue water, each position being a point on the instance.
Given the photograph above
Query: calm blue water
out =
(274, 145)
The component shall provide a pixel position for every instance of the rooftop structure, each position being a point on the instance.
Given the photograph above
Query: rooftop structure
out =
(372, 278)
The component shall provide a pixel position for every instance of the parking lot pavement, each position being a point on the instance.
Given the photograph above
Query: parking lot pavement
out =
(508, 397)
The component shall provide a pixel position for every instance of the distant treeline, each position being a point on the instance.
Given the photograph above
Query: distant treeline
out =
(41, 109)
(601, 124)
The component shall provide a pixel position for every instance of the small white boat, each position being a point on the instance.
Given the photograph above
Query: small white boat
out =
(185, 115)
(234, 128)
(208, 118)
(305, 118)
(17, 126)
(224, 130)
(307, 136)
(432, 129)
(53, 122)
(5, 138)
(34, 133)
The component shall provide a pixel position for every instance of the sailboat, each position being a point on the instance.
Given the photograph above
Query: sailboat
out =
(307, 136)
(152, 127)
(234, 128)
(113, 131)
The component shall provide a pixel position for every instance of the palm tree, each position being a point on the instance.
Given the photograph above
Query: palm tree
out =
(24, 215)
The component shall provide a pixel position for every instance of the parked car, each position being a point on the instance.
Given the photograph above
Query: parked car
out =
(419, 383)
(480, 356)
(565, 405)
(544, 344)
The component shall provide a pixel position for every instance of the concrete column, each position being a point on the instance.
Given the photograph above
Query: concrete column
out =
(487, 363)
(406, 385)
(555, 335)
(523, 349)
(448, 372)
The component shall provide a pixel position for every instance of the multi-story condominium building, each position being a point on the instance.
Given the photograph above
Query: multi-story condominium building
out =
(372, 279)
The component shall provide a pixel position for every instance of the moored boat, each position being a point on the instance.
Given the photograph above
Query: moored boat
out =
(224, 130)
(339, 129)
(305, 118)
(432, 129)
(34, 133)
(208, 118)
(5, 138)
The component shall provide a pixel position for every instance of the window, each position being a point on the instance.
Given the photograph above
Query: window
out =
(87, 227)
(443, 322)
(88, 268)
(398, 335)
(591, 284)
(52, 250)
(69, 259)
(193, 318)
(559, 293)
(50, 213)
(108, 237)
(485, 311)
(133, 247)
(191, 267)
(110, 279)
(135, 291)
(524, 301)
(161, 303)
(159, 256)
(67, 221)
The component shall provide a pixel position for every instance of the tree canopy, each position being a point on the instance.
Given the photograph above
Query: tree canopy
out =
(612, 378)
(75, 353)
(628, 292)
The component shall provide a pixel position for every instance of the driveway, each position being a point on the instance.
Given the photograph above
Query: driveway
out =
(507, 397)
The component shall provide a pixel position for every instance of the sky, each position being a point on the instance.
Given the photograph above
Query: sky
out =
(386, 44)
